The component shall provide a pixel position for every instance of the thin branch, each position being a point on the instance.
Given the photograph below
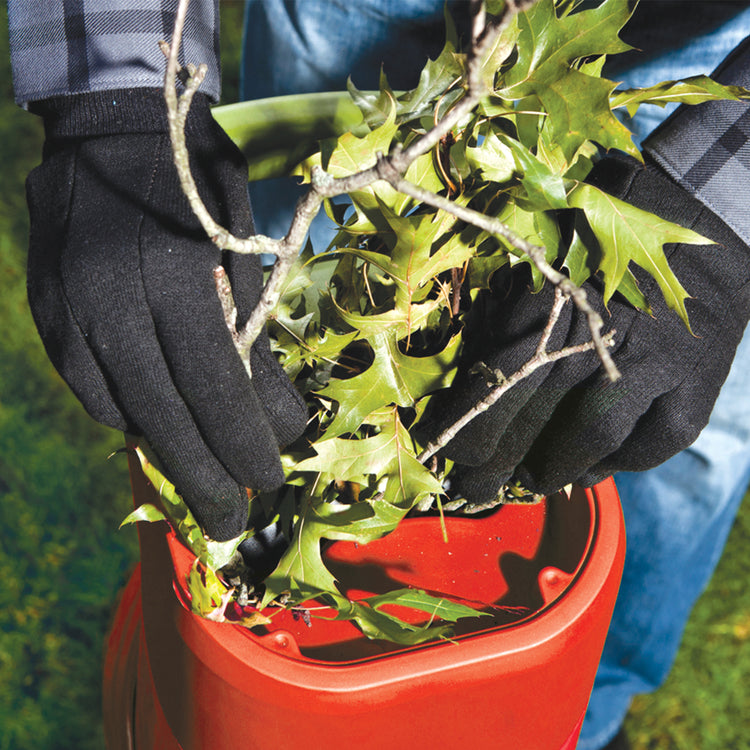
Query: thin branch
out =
(541, 358)
(224, 291)
(535, 253)
(554, 316)
(391, 168)
(177, 112)
(479, 20)
(323, 185)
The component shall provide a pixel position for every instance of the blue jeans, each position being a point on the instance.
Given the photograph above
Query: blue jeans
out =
(677, 515)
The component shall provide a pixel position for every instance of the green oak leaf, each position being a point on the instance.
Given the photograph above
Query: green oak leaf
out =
(207, 592)
(389, 457)
(303, 561)
(537, 227)
(628, 234)
(437, 607)
(579, 271)
(481, 268)
(350, 154)
(579, 110)
(694, 90)
(549, 49)
(543, 188)
(436, 78)
(146, 512)
(376, 624)
(494, 160)
(629, 289)
(376, 106)
(392, 378)
(419, 248)
(421, 172)
(548, 46)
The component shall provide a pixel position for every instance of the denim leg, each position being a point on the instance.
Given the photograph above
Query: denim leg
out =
(300, 46)
(678, 515)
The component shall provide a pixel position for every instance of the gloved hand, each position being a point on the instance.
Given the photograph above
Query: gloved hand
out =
(568, 423)
(121, 287)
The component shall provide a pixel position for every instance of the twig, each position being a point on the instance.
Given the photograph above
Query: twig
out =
(224, 292)
(391, 169)
(554, 316)
(479, 20)
(177, 111)
(541, 358)
(534, 252)
(323, 185)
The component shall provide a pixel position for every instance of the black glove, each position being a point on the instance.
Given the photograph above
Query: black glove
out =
(121, 287)
(568, 423)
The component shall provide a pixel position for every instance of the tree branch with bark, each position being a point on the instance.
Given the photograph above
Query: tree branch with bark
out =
(390, 168)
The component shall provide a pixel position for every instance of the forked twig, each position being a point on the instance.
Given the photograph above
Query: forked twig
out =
(391, 168)
(534, 252)
(541, 358)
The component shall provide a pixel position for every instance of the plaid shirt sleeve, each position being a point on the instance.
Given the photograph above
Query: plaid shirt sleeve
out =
(706, 147)
(63, 47)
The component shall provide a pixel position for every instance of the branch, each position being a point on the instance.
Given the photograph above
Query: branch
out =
(541, 358)
(177, 112)
(534, 252)
(484, 35)
(391, 169)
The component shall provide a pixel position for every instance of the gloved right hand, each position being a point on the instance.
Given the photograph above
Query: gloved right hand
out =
(567, 423)
(121, 286)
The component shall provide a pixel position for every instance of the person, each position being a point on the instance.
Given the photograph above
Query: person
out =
(116, 271)
(678, 514)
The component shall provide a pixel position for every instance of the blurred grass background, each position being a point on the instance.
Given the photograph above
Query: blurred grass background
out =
(62, 560)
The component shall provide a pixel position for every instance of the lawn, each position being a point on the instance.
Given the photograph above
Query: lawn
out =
(63, 561)
(705, 702)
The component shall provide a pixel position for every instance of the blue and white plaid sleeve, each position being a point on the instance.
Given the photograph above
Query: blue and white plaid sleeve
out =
(706, 148)
(63, 47)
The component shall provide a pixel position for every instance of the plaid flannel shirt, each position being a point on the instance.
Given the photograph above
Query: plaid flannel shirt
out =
(63, 47)
(706, 148)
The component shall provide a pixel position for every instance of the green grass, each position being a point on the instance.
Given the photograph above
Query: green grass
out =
(62, 560)
(705, 702)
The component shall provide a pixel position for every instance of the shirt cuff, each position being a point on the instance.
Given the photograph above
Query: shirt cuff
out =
(111, 46)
